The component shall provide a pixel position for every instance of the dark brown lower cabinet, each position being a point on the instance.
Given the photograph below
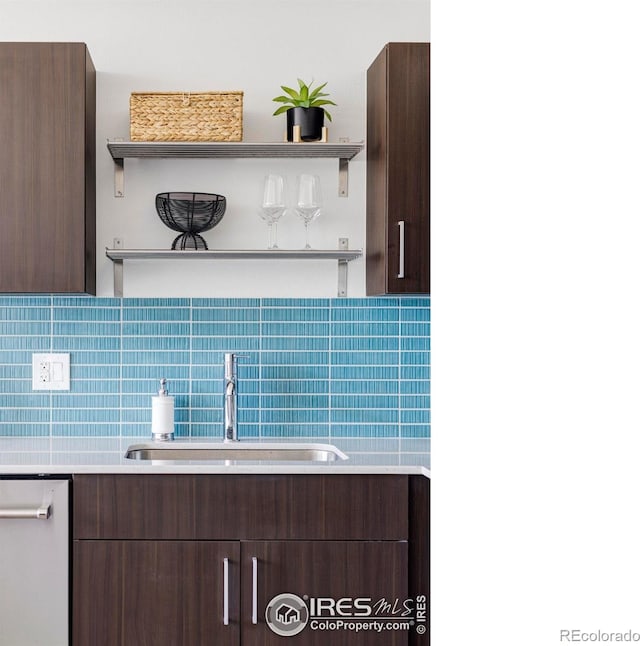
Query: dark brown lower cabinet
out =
(149, 554)
(153, 593)
(342, 577)
(163, 593)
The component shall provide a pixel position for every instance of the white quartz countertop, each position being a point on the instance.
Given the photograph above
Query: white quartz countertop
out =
(63, 455)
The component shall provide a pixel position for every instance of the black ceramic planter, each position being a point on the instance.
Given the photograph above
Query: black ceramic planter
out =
(310, 120)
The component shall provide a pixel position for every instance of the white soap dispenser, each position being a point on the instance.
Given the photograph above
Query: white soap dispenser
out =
(162, 407)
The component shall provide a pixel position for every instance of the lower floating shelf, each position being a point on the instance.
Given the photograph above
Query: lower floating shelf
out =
(343, 255)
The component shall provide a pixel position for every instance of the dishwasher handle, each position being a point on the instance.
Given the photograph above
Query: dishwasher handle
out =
(39, 513)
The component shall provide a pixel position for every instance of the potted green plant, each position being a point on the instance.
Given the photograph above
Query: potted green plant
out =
(304, 108)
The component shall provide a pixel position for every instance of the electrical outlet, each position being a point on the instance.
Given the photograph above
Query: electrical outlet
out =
(50, 371)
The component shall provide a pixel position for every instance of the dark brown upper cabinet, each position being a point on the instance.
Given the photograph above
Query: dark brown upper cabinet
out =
(47, 168)
(398, 171)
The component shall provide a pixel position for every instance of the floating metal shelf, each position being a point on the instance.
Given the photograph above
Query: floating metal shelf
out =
(343, 255)
(343, 151)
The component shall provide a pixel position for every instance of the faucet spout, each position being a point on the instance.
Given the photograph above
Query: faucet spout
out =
(230, 411)
(230, 404)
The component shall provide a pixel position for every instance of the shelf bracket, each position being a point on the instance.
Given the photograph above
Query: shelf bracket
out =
(343, 177)
(343, 268)
(118, 278)
(118, 177)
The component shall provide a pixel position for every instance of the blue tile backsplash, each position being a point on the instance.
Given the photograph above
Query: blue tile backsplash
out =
(314, 368)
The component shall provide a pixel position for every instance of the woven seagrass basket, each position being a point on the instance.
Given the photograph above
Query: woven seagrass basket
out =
(186, 116)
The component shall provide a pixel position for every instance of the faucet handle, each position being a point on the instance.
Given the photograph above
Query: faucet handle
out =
(234, 356)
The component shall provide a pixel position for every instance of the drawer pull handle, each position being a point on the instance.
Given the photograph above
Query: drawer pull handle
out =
(225, 596)
(401, 250)
(39, 513)
(254, 591)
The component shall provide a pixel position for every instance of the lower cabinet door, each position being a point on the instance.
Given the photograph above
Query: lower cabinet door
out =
(325, 592)
(156, 593)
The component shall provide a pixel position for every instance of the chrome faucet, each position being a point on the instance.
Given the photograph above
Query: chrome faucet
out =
(231, 396)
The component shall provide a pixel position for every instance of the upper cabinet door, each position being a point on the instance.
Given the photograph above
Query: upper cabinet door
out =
(398, 171)
(47, 168)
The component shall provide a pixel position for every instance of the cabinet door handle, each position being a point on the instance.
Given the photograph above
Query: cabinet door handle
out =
(401, 250)
(225, 592)
(254, 591)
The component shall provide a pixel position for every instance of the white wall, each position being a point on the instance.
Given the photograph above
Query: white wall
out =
(248, 45)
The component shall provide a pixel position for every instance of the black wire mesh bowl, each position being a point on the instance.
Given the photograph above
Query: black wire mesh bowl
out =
(191, 214)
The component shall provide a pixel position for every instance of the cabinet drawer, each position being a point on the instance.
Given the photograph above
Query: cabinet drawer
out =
(228, 507)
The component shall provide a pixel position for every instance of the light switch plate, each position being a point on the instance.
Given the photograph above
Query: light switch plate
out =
(50, 371)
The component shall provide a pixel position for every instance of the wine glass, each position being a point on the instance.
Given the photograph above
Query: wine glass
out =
(273, 205)
(308, 201)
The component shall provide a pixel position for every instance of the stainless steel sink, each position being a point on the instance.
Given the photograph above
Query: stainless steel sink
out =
(246, 451)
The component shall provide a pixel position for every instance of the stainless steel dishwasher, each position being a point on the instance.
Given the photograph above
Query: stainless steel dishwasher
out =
(34, 561)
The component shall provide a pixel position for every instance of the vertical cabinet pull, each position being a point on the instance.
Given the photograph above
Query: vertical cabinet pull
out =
(254, 591)
(225, 592)
(401, 253)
